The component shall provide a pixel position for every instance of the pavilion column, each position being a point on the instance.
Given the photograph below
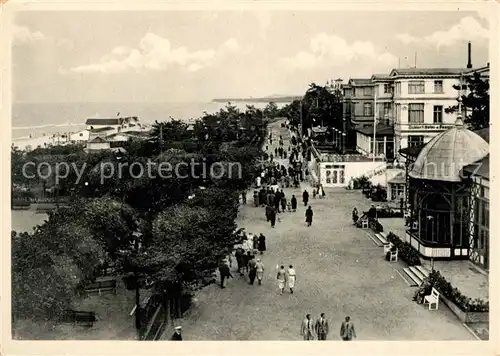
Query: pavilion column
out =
(452, 221)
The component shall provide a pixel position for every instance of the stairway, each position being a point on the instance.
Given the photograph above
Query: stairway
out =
(414, 275)
(379, 238)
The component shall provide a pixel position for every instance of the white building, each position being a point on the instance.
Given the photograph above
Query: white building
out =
(79, 137)
(420, 99)
(97, 144)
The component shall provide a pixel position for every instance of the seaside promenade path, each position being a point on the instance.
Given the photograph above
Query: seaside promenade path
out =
(339, 272)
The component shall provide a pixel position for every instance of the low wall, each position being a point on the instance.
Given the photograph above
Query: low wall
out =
(466, 317)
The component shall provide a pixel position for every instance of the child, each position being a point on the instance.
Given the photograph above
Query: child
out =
(289, 206)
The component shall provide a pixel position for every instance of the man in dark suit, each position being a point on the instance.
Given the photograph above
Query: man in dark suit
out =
(177, 336)
(225, 272)
(306, 329)
(347, 332)
(321, 327)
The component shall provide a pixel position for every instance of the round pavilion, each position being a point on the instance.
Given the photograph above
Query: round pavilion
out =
(439, 196)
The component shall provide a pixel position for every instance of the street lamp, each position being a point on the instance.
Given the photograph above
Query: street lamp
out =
(430, 218)
(136, 235)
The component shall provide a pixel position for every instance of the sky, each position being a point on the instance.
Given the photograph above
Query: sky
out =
(197, 56)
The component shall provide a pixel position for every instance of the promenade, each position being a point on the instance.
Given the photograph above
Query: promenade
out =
(339, 272)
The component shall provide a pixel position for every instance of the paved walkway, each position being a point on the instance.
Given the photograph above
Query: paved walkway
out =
(339, 272)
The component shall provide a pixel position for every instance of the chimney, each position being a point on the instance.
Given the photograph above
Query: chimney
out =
(469, 63)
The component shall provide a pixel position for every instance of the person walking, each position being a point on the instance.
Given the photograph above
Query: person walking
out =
(177, 335)
(309, 216)
(238, 254)
(291, 278)
(283, 203)
(244, 197)
(252, 272)
(224, 272)
(261, 245)
(306, 329)
(321, 327)
(268, 212)
(281, 278)
(259, 270)
(347, 332)
(305, 197)
(272, 217)
(294, 203)
(355, 216)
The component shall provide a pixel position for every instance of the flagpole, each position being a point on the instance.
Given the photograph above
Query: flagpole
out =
(374, 123)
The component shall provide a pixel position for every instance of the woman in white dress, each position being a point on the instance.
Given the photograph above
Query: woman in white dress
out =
(281, 278)
(291, 277)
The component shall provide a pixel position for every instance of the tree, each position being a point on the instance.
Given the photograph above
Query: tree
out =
(476, 102)
(271, 110)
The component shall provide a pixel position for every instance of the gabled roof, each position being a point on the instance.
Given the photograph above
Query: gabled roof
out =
(98, 140)
(102, 129)
(381, 77)
(398, 178)
(382, 130)
(410, 72)
(360, 82)
(108, 121)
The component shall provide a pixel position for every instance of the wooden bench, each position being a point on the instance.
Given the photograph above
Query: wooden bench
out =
(83, 318)
(432, 299)
(102, 284)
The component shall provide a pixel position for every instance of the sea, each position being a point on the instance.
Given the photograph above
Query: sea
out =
(31, 120)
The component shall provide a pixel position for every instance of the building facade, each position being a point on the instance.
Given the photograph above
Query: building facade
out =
(421, 97)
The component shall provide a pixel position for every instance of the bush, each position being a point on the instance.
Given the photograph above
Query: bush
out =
(361, 182)
(405, 251)
(376, 226)
(455, 296)
(20, 202)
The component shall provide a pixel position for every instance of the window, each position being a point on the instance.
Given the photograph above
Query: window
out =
(415, 141)
(416, 113)
(438, 114)
(387, 110)
(416, 87)
(438, 86)
(367, 91)
(398, 113)
(398, 88)
(397, 191)
(367, 109)
(387, 89)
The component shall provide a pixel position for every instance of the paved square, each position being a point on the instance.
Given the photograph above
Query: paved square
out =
(340, 272)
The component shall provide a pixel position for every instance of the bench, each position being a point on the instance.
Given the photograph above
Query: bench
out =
(432, 299)
(387, 248)
(102, 284)
(393, 256)
(83, 318)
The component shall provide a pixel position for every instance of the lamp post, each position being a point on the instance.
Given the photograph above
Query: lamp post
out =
(137, 235)
(430, 218)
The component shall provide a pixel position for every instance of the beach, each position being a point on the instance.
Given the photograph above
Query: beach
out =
(42, 121)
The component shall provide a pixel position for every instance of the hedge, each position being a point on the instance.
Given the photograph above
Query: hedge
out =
(405, 251)
(466, 304)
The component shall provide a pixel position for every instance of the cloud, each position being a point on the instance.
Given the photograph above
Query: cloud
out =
(23, 34)
(328, 50)
(406, 38)
(468, 29)
(157, 53)
(264, 19)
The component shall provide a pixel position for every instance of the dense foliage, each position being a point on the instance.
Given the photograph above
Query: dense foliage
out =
(184, 223)
(405, 251)
(476, 102)
(451, 293)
